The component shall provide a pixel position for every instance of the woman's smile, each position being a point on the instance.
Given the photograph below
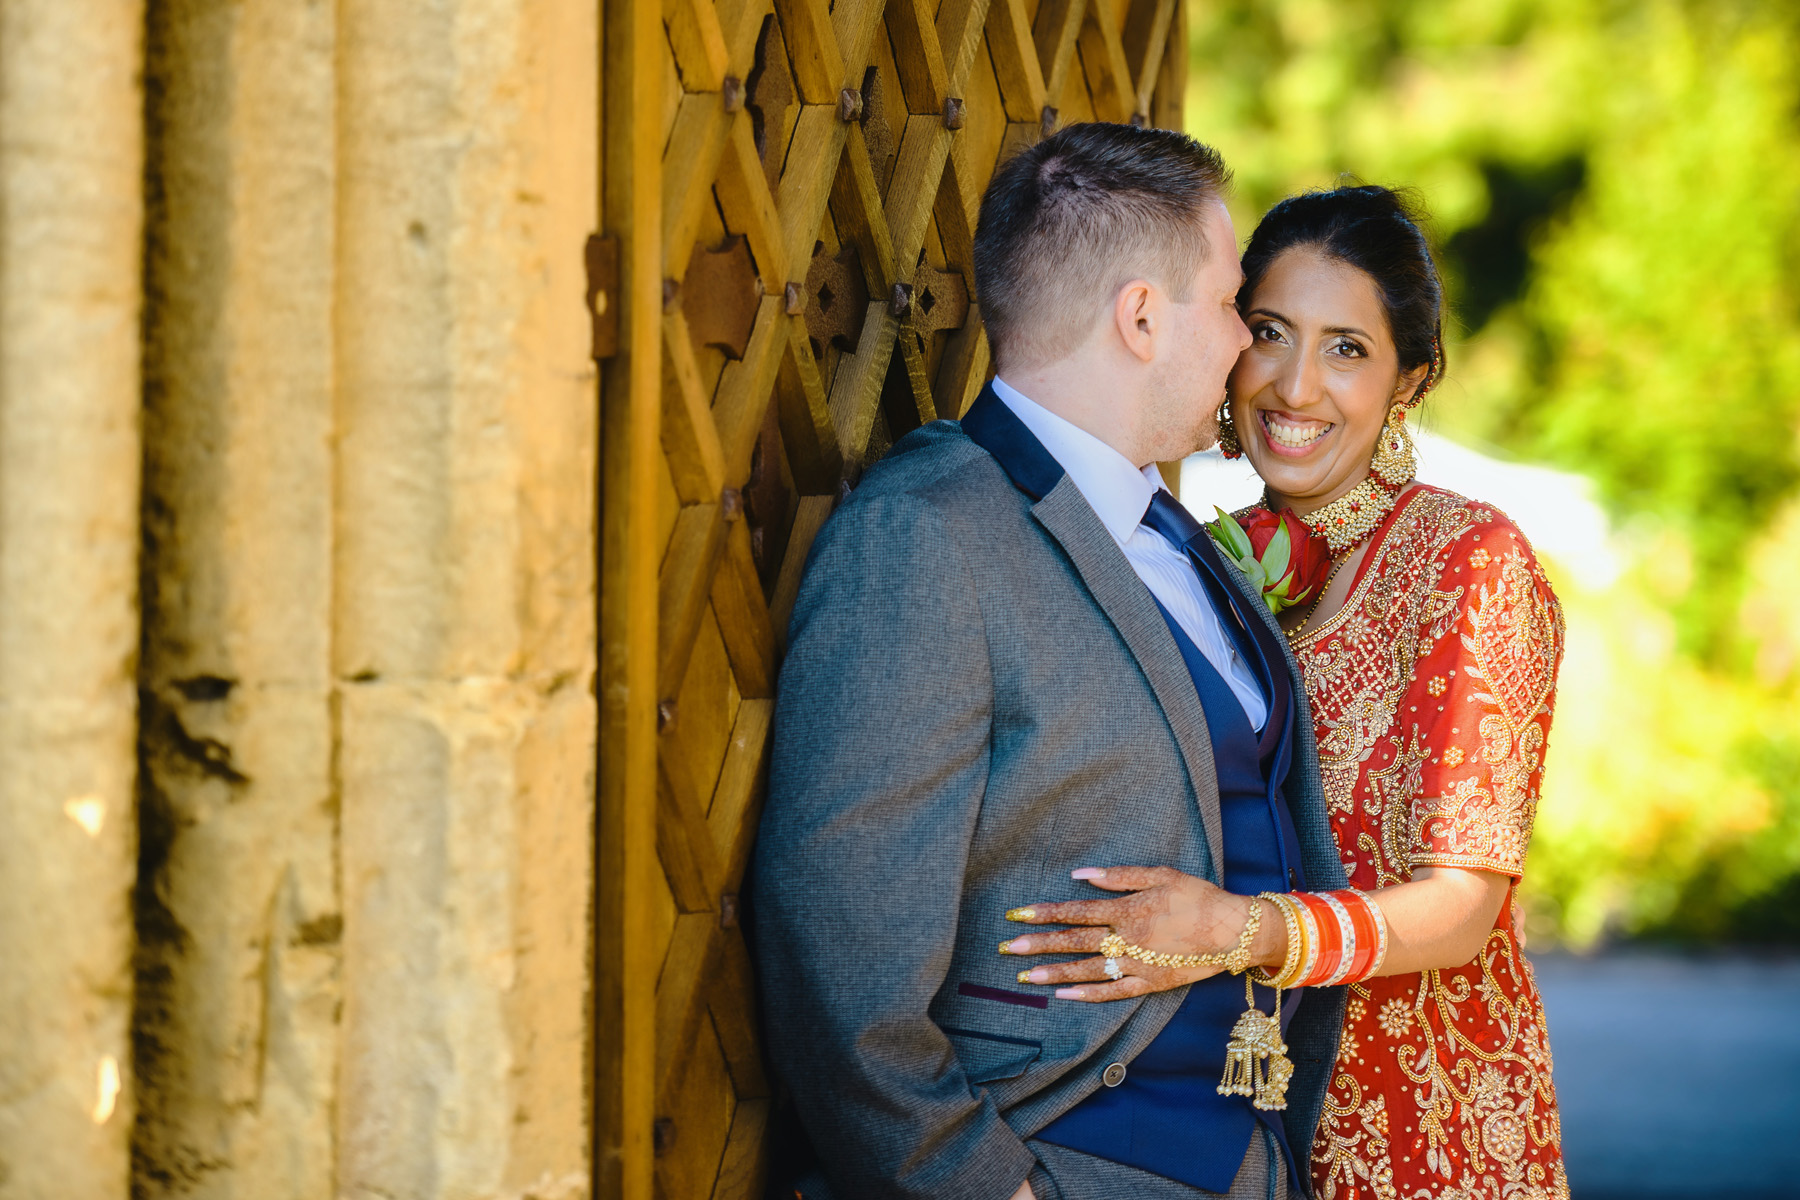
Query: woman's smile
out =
(1291, 436)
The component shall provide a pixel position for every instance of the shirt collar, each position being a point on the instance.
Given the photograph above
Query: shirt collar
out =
(1118, 492)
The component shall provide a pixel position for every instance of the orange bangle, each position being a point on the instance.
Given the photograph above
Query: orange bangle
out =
(1328, 948)
(1347, 946)
(1344, 937)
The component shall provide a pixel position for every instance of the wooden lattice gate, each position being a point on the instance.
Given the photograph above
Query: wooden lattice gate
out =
(784, 288)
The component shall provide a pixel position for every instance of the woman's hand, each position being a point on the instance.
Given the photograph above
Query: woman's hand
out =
(1167, 912)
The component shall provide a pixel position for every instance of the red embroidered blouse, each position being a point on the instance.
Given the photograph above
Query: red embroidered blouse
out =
(1431, 695)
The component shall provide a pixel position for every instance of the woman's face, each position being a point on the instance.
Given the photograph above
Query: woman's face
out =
(1311, 393)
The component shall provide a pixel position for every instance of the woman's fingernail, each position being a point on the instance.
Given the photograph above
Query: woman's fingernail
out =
(1020, 914)
(1087, 873)
(1025, 976)
(1013, 946)
(1068, 993)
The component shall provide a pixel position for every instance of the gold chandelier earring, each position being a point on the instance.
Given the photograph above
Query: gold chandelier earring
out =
(1229, 445)
(1395, 461)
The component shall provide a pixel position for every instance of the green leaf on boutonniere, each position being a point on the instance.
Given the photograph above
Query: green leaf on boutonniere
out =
(1276, 553)
(1229, 534)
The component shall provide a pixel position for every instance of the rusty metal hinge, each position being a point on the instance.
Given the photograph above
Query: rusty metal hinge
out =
(603, 293)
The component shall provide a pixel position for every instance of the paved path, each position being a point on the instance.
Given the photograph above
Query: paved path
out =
(1678, 1077)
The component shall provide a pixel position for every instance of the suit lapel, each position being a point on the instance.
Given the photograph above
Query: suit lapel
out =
(1066, 515)
(1266, 644)
(1272, 644)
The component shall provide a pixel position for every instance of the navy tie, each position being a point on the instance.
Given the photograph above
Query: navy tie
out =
(1168, 518)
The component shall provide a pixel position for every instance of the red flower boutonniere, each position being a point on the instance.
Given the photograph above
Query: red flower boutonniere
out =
(1282, 558)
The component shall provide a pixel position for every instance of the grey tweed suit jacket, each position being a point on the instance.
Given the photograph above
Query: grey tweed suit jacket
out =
(979, 696)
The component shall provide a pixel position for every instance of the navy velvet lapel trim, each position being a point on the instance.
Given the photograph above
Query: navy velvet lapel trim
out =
(1273, 668)
(993, 426)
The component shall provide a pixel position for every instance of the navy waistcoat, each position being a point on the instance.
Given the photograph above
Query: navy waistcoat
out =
(1167, 1117)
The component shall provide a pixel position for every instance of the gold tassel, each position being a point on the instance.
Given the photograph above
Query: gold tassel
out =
(1256, 1061)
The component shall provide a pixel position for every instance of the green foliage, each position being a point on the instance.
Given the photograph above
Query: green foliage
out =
(1615, 191)
(1667, 297)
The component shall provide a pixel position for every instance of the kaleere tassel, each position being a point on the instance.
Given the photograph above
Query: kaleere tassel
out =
(1256, 1061)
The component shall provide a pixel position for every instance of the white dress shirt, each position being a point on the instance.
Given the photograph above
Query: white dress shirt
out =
(1120, 494)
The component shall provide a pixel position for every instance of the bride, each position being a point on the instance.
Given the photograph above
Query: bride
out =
(1430, 656)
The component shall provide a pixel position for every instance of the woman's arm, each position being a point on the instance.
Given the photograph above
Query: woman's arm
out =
(1437, 920)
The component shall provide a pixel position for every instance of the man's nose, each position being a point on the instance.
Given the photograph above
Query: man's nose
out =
(1243, 334)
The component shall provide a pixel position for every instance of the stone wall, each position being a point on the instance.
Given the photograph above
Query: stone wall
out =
(357, 695)
(70, 215)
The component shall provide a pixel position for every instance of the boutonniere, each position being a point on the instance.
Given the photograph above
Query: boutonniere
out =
(1283, 559)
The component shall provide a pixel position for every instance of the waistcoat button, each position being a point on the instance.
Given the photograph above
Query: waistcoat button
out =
(1114, 1076)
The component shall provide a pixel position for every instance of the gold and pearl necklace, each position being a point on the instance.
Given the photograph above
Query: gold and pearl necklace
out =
(1353, 516)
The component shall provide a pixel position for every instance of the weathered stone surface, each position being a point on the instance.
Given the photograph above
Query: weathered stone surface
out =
(369, 646)
(238, 914)
(70, 220)
(463, 594)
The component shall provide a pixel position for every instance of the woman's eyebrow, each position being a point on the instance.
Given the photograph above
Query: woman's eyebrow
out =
(1346, 329)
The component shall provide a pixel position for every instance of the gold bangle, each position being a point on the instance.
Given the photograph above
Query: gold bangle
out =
(1235, 960)
(1290, 962)
(1316, 934)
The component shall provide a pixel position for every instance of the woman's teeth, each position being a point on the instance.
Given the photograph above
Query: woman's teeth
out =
(1295, 434)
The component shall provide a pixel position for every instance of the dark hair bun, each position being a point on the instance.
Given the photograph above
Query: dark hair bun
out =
(1375, 230)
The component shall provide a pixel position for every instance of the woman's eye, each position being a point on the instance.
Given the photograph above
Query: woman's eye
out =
(1347, 348)
(1268, 333)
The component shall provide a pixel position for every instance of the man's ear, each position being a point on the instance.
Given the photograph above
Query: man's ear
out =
(1137, 315)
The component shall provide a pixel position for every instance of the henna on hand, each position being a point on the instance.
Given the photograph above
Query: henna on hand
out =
(1164, 910)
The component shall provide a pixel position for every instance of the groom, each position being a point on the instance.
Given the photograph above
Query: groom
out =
(1015, 655)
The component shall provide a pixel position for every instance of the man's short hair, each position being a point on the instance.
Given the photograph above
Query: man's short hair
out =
(1069, 221)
